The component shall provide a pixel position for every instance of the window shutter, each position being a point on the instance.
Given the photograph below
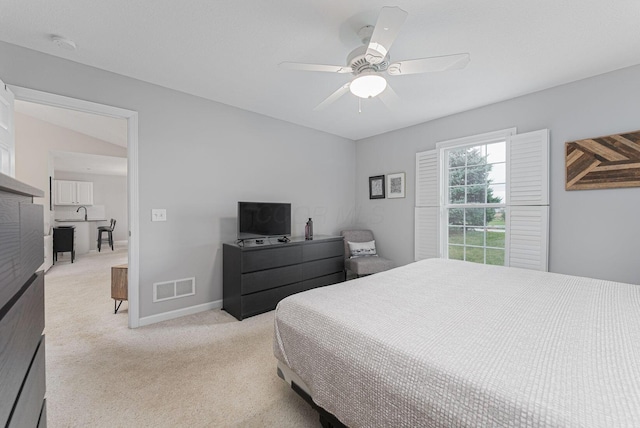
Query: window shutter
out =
(427, 179)
(426, 233)
(528, 237)
(528, 202)
(427, 228)
(529, 168)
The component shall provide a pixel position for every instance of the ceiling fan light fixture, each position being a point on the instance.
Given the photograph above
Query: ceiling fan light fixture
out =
(368, 85)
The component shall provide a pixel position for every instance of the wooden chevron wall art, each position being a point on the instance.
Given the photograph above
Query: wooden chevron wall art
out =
(603, 162)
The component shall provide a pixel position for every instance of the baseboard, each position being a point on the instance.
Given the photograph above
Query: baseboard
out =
(152, 319)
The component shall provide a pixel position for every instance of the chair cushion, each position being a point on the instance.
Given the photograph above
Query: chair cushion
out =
(368, 265)
(362, 249)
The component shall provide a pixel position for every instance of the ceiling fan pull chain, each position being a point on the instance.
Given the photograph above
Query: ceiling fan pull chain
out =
(359, 105)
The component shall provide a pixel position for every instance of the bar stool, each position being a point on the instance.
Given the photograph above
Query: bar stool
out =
(109, 230)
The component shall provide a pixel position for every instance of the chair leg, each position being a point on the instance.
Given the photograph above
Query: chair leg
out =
(111, 240)
(99, 240)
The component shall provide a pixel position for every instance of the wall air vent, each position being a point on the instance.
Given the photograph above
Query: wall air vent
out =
(173, 289)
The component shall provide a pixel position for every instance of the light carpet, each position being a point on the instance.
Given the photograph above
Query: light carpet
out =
(203, 370)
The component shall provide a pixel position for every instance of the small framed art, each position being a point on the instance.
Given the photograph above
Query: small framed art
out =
(376, 187)
(395, 185)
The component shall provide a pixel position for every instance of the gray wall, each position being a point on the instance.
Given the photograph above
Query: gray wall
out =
(197, 158)
(109, 191)
(592, 232)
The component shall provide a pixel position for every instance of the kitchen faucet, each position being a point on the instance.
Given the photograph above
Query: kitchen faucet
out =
(85, 211)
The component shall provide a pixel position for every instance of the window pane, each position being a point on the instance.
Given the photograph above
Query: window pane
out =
(474, 236)
(496, 193)
(477, 174)
(496, 152)
(456, 235)
(474, 254)
(456, 216)
(495, 218)
(457, 157)
(476, 155)
(456, 195)
(476, 194)
(456, 176)
(495, 257)
(456, 252)
(497, 173)
(495, 238)
(474, 217)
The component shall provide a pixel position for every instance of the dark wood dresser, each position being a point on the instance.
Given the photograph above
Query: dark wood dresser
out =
(22, 359)
(257, 277)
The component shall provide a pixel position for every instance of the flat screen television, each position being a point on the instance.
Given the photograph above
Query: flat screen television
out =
(263, 219)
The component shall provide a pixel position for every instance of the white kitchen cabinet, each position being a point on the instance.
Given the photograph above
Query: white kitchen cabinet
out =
(73, 192)
(84, 191)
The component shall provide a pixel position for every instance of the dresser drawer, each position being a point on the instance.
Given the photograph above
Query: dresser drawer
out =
(22, 249)
(270, 278)
(322, 250)
(20, 332)
(10, 272)
(31, 238)
(268, 258)
(29, 405)
(320, 281)
(264, 301)
(322, 267)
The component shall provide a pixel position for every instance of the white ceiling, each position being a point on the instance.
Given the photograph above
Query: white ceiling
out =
(89, 164)
(230, 51)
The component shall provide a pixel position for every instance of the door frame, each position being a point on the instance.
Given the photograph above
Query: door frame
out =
(31, 95)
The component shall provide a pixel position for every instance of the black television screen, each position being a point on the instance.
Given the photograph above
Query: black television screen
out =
(263, 219)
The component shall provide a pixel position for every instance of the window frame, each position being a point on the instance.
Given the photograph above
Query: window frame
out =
(443, 149)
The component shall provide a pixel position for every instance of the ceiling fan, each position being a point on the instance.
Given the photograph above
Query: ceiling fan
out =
(368, 63)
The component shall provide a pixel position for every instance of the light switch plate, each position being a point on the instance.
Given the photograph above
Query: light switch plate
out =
(158, 214)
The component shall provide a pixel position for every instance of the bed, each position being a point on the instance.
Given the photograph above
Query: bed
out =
(443, 343)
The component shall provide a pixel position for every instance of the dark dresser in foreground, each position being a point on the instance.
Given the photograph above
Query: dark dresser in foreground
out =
(257, 277)
(22, 359)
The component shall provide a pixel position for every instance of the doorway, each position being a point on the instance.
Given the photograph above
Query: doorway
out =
(131, 117)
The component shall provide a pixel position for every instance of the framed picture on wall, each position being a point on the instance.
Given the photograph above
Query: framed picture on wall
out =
(376, 187)
(395, 185)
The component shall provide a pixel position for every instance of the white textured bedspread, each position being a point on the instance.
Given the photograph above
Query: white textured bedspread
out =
(441, 343)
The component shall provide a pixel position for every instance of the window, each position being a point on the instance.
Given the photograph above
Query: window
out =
(484, 199)
(475, 181)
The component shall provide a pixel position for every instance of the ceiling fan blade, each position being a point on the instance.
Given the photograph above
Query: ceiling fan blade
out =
(389, 98)
(428, 65)
(315, 67)
(387, 27)
(333, 97)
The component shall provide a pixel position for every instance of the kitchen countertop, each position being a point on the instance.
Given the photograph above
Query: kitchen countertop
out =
(79, 220)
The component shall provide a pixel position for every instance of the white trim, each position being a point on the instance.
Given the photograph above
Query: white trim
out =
(7, 98)
(165, 316)
(56, 100)
(485, 138)
(26, 94)
(134, 217)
